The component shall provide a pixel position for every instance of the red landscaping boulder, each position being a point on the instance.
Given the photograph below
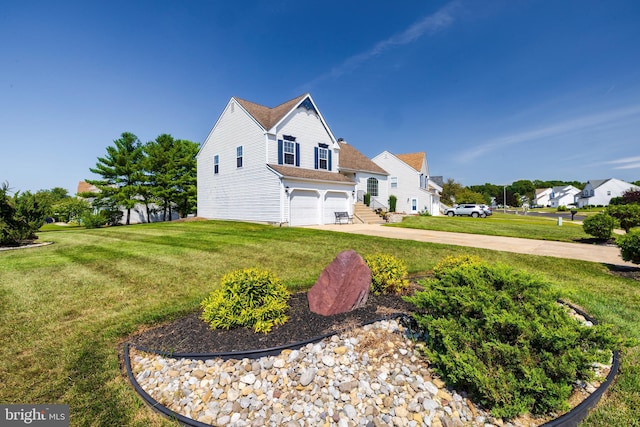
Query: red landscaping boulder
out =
(342, 286)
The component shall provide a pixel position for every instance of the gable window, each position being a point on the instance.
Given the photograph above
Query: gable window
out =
(372, 186)
(239, 157)
(394, 182)
(323, 155)
(289, 153)
(216, 164)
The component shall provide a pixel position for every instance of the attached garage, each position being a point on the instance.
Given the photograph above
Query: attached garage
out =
(334, 202)
(304, 207)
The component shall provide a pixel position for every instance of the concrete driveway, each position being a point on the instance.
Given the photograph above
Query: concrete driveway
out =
(581, 251)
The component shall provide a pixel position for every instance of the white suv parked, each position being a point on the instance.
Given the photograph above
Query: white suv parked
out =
(469, 210)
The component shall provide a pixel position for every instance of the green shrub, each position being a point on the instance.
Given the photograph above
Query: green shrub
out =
(393, 201)
(599, 226)
(247, 298)
(449, 262)
(562, 208)
(367, 199)
(627, 215)
(388, 274)
(630, 246)
(500, 335)
(93, 220)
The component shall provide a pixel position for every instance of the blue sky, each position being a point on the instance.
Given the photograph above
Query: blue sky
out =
(493, 91)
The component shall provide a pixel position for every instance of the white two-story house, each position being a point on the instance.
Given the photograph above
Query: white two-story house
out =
(600, 192)
(279, 165)
(410, 182)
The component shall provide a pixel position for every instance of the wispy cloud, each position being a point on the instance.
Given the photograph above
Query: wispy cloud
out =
(626, 163)
(430, 24)
(556, 129)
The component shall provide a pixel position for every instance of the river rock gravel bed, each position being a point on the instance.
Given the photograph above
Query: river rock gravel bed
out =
(367, 376)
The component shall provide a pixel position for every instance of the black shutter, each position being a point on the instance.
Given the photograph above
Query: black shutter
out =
(297, 154)
(329, 159)
(280, 154)
(315, 151)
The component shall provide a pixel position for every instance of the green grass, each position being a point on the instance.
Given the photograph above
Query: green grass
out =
(66, 308)
(499, 224)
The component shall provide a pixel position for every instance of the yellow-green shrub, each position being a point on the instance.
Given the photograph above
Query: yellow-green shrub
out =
(388, 274)
(251, 298)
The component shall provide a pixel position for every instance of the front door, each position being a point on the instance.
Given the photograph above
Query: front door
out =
(414, 206)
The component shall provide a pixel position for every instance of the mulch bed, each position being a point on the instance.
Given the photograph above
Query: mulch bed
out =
(192, 335)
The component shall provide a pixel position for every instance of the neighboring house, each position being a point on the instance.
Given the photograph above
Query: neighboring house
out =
(541, 197)
(368, 176)
(556, 196)
(600, 192)
(277, 165)
(138, 212)
(409, 181)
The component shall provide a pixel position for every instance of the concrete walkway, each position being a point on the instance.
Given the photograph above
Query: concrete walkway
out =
(581, 251)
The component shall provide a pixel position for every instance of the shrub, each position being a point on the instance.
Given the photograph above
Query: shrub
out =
(247, 298)
(449, 262)
(93, 220)
(367, 199)
(599, 226)
(500, 334)
(630, 246)
(393, 200)
(627, 215)
(562, 208)
(388, 274)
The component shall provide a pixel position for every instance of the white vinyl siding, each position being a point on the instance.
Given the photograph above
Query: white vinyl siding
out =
(232, 193)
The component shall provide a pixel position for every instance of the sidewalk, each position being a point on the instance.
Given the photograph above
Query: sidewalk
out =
(585, 252)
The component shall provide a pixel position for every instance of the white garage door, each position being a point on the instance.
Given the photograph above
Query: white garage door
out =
(334, 202)
(304, 208)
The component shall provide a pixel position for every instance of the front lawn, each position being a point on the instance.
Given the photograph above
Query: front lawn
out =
(66, 307)
(500, 224)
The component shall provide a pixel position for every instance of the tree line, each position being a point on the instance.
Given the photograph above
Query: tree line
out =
(454, 192)
(160, 175)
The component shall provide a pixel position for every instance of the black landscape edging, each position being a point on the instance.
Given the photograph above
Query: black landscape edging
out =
(570, 419)
(580, 412)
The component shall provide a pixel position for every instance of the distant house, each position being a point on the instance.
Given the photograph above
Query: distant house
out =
(410, 182)
(557, 196)
(600, 192)
(139, 211)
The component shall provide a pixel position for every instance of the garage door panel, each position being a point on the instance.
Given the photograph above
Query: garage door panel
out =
(334, 202)
(303, 208)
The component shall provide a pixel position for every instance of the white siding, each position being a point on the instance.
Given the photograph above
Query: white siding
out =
(309, 131)
(234, 193)
(408, 182)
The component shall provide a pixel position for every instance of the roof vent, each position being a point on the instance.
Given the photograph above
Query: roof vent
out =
(342, 140)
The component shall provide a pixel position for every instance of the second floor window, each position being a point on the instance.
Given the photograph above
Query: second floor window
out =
(394, 182)
(239, 156)
(216, 164)
(289, 153)
(323, 158)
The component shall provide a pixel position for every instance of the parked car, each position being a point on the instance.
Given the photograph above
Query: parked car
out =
(468, 210)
